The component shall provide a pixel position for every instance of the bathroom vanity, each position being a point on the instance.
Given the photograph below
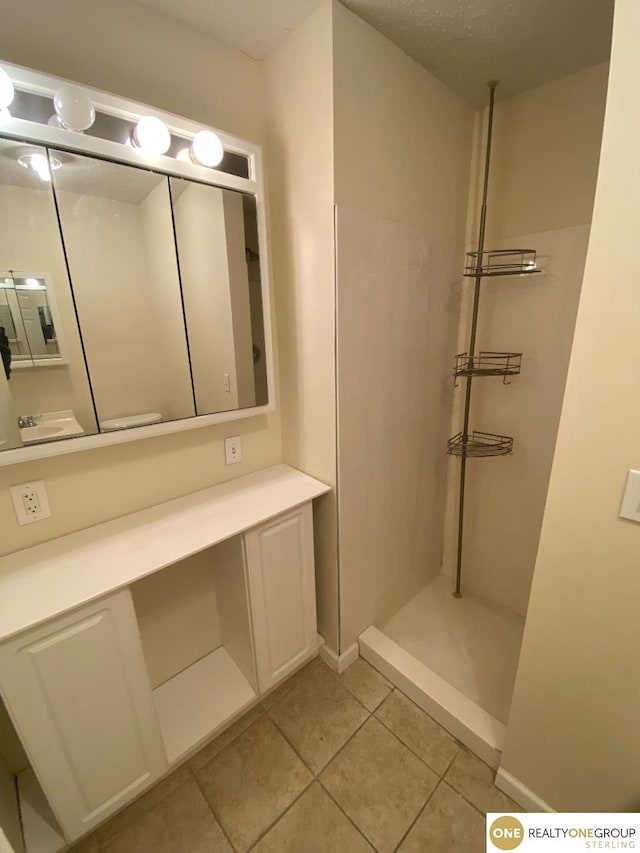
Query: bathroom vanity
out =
(106, 684)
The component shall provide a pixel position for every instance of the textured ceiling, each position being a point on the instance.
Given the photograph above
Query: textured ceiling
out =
(522, 43)
(465, 43)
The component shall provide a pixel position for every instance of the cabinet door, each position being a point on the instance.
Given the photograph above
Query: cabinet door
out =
(77, 690)
(281, 575)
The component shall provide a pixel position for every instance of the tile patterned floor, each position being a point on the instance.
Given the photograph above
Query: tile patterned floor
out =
(326, 764)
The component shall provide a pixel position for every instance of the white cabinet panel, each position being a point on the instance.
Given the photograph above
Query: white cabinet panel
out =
(282, 586)
(78, 693)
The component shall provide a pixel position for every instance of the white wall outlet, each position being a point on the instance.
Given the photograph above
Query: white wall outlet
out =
(631, 499)
(232, 450)
(30, 502)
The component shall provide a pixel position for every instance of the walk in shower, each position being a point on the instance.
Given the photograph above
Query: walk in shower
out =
(452, 642)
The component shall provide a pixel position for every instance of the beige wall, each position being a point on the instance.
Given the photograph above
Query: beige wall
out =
(127, 49)
(299, 98)
(545, 153)
(543, 174)
(177, 615)
(572, 735)
(403, 151)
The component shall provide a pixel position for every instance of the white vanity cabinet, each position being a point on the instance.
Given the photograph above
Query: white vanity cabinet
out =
(279, 558)
(77, 691)
(126, 646)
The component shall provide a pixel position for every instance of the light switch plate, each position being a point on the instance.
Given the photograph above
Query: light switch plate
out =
(630, 507)
(232, 450)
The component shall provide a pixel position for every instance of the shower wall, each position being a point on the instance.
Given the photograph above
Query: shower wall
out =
(543, 176)
(402, 158)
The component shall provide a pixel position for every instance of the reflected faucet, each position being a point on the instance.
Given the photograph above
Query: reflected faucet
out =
(27, 421)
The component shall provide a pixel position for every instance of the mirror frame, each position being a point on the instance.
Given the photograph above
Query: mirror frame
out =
(25, 79)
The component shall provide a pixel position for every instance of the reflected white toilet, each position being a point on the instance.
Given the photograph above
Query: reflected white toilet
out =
(129, 421)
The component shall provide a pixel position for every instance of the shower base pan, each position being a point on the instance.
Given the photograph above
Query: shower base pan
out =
(456, 659)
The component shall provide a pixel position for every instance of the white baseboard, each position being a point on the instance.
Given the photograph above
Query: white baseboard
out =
(520, 794)
(338, 663)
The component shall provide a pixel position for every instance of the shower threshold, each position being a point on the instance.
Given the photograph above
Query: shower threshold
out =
(456, 659)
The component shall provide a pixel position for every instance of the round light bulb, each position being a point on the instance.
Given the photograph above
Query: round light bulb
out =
(74, 108)
(206, 149)
(6, 90)
(151, 136)
(184, 155)
(54, 121)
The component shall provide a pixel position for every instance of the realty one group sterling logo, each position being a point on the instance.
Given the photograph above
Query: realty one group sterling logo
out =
(562, 832)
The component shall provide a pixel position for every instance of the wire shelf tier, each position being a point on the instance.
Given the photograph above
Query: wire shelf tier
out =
(488, 364)
(501, 262)
(479, 444)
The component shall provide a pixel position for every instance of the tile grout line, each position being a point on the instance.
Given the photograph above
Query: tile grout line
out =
(457, 753)
(417, 817)
(280, 816)
(215, 816)
(460, 794)
(316, 776)
(310, 769)
(342, 811)
(466, 799)
(426, 763)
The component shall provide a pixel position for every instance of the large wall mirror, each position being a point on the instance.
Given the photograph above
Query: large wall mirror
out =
(132, 294)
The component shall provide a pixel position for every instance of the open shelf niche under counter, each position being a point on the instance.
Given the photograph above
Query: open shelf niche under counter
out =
(195, 627)
(127, 646)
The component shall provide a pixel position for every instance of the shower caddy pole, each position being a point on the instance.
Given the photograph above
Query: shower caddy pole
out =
(474, 328)
(481, 264)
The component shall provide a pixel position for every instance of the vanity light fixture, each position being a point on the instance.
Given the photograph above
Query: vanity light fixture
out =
(34, 284)
(151, 135)
(74, 109)
(7, 92)
(37, 162)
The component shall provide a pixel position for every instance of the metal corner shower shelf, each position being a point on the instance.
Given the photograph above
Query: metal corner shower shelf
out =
(471, 365)
(488, 364)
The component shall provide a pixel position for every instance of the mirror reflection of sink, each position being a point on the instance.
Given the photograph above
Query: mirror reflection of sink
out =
(43, 431)
(50, 427)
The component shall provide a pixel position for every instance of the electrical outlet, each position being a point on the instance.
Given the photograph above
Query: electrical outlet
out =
(30, 502)
(232, 450)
